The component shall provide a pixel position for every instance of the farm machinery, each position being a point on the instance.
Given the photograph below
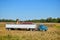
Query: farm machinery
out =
(32, 27)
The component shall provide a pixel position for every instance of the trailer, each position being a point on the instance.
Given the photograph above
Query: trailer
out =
(41, 27)
(21, 26)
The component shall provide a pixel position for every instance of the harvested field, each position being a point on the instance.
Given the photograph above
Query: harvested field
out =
(53, 33)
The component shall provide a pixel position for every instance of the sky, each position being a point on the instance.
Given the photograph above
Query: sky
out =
(29, 9)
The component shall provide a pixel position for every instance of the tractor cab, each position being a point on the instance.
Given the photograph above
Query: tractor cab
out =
(42, 27)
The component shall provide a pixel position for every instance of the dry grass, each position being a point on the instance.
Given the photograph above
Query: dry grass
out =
(51, 34)
(31, 35)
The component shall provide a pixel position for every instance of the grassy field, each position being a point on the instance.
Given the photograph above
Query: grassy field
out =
(53, 33)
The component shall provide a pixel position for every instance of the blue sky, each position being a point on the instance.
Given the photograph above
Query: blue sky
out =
(29, 9)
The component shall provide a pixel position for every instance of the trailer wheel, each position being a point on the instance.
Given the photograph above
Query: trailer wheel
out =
(39, 30)
(8, 29)
(45, 30)
(31, 29)
(12, 28)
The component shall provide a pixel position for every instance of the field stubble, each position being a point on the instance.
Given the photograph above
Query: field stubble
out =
(51, 34)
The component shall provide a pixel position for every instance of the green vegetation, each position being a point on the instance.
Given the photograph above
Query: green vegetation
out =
(7, 20)
(49, 20)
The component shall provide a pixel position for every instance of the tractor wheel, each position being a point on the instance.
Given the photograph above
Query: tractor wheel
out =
(45, 30)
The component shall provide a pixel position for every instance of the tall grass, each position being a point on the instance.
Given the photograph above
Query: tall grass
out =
(9, 37)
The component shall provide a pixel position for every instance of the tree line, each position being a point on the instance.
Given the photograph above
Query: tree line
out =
(49, 20)
(7, 20)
